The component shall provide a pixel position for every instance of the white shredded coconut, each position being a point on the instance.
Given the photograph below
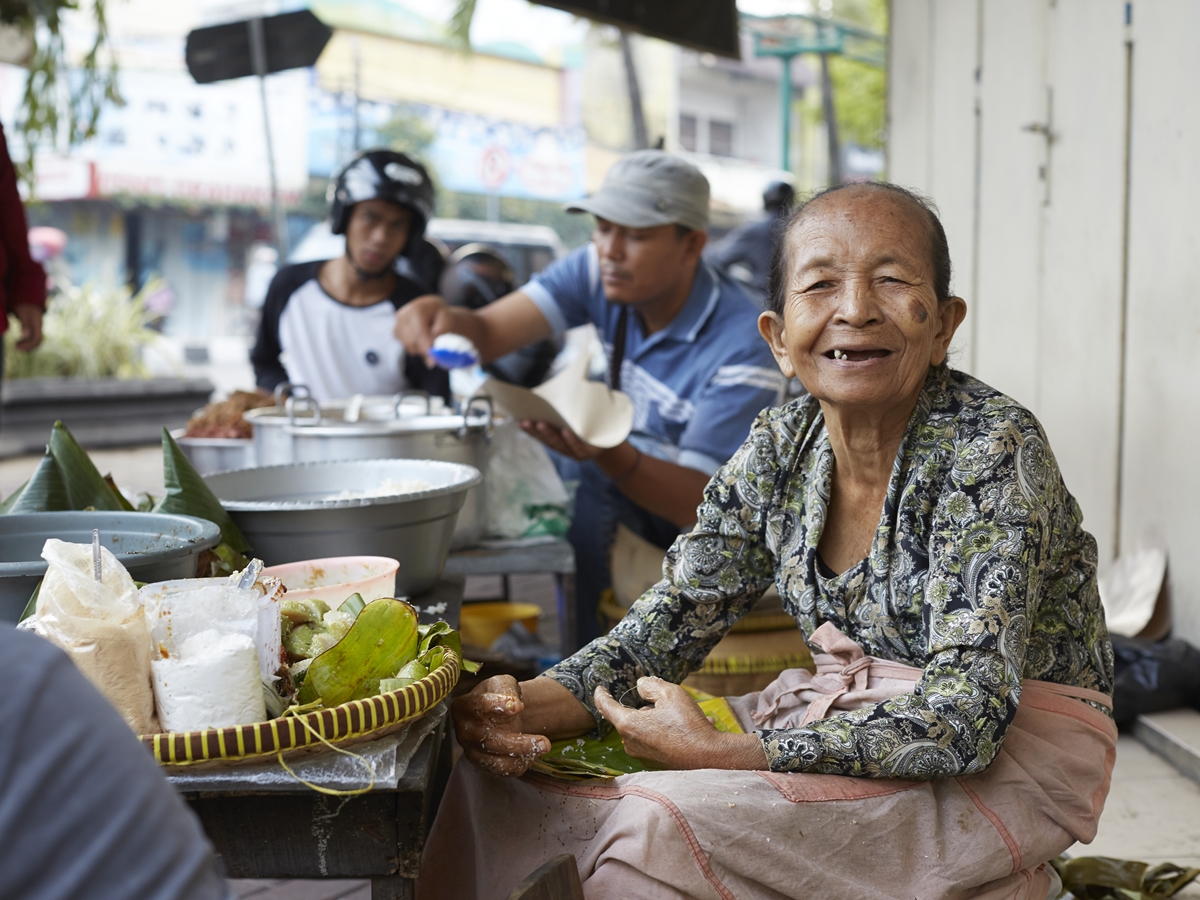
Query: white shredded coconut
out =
(390, 487)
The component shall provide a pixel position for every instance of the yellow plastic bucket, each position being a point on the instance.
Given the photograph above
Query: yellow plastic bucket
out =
(482, 623)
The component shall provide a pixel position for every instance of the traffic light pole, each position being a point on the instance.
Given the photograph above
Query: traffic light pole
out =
(258, 54)
(785, 103)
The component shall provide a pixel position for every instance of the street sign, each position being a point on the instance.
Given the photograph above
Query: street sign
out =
(291, 41)
(710, 26)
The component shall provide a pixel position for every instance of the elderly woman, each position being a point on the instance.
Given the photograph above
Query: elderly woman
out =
(958, 732)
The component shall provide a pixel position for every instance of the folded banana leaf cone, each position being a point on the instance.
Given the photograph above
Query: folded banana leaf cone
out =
(186, 494)
(1104, 878)
(591, 758)
(66, 479)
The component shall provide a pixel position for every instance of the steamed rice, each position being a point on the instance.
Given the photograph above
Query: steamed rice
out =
(391, 487)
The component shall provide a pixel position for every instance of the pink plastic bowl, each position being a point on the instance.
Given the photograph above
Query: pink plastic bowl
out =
(333, 580)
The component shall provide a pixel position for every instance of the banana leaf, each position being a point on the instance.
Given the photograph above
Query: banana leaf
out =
(382, 639)
(121, 498)
(577, 759)
(1103, 878)
(44, 492)
(85, 486)
(12, 498)
(588, 758)
(409, 672)
(353, 605)
(31, 606)
(228, 561)
(188, 495)
(440, 634)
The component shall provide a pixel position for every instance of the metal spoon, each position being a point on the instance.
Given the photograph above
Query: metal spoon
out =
(96, 567)
(250, 575)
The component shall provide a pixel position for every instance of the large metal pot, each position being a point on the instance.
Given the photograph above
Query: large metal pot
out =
(292, 512)
(409, 427)
(210, 455)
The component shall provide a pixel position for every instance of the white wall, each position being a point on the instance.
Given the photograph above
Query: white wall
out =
(1039, 233)
(752, 106)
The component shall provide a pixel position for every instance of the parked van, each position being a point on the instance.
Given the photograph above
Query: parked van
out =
(528, 248)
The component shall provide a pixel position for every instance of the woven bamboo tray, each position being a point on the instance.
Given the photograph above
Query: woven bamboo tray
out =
(351, 722)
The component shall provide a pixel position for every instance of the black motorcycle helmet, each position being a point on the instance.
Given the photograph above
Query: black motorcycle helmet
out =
(476, 275)
(383, 175)
(779, 195)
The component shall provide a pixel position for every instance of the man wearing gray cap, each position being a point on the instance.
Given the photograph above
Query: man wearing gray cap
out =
(682, 342)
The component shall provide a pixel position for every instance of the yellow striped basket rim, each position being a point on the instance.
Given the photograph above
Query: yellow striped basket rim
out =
(351, 720)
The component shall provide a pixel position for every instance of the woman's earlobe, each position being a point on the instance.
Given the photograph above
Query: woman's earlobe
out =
(770, 326)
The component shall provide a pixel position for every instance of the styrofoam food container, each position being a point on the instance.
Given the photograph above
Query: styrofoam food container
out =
(337, 577)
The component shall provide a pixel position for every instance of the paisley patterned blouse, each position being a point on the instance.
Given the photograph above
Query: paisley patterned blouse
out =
(980, 574)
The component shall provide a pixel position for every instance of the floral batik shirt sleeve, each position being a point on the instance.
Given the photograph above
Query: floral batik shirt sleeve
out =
(712, 576)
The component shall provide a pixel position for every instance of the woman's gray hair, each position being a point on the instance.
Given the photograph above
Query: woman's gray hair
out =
(939, 249)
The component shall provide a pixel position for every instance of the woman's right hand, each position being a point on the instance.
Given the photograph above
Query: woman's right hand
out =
(489, 727)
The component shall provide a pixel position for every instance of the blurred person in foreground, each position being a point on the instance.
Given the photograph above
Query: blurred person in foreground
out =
(328, 324)
(745, 253)
(22, 280)
(85, 813)
(681, 340)
(477, 275)
(958, 733)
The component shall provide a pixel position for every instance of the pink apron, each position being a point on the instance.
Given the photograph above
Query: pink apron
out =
(712, 833)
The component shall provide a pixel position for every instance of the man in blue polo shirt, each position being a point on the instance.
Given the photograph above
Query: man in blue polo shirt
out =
(682, 342)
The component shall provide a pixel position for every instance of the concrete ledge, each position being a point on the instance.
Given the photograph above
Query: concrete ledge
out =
(1175, 736)
(102, 412)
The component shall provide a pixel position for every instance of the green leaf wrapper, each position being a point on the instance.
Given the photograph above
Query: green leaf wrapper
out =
(188, 495)
(382, 640)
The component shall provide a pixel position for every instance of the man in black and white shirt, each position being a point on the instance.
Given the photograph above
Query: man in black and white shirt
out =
(328, 325)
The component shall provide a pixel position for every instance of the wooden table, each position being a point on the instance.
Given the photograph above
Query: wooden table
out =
(528, 556)
(378, 835)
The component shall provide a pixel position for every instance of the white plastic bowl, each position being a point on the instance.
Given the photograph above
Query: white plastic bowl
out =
(334, 579)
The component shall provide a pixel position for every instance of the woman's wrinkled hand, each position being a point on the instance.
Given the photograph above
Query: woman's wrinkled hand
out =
(487, 723)
(674, 732)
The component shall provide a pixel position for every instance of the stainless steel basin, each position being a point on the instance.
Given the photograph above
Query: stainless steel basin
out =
(287, 515)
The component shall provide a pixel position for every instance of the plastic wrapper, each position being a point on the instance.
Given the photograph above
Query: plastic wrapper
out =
(386, 759)
(525, 496)
(101, 626)
(1129, 590)
(214, 647)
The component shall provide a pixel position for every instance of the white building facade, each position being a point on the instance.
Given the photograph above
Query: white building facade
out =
(1060, 139)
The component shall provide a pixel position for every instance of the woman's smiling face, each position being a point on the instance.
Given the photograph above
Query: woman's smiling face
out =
(861, 323)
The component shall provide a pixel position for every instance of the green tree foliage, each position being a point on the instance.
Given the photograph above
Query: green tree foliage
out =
(860, 90)
(51, 96)
(409, 133)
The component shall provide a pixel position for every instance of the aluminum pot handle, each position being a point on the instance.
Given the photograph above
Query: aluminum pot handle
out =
(286, 389)
(412, 392)
(305, 401)
(478, 406)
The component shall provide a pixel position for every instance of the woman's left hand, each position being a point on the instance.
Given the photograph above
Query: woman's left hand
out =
(675, 733)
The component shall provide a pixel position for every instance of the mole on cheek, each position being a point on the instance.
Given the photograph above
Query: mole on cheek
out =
(920, 313)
